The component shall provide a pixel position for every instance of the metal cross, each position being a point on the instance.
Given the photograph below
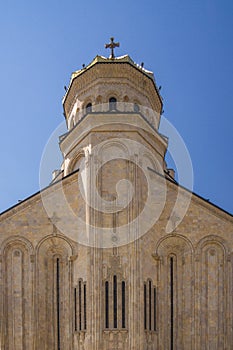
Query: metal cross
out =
(112, 46)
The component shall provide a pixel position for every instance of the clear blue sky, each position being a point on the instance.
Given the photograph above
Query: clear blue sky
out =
(188, 44)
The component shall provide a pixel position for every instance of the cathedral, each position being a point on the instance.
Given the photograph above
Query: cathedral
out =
(115, 254)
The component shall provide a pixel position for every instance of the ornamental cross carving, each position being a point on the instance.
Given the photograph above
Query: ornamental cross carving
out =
(112, 46)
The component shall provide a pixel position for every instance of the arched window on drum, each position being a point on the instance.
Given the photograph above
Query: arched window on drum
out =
(112, 104)
(88, 108)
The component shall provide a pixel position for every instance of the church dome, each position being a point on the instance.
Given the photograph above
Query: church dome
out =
(119, 78)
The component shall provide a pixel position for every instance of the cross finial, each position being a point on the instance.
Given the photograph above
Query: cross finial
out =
(112, 46)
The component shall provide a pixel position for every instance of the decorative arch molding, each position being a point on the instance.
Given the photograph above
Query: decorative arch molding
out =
(113, 93)
(174, 254)
(89, 99)
(51, 240)
(74, 160)
(172, 248)
(212, 240)
(99, 99)
(103, 149)
(213, 293)
(54, 268)
(17, 311)
(17, 241)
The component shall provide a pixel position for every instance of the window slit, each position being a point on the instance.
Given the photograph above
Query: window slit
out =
(171, 300)
(123, 304)
(80, 304)
(75, 309)
(85, 306)
(106, 306)
(58, 301)
(115, 301)
(154, 309)
(150, 305)
(145, 304)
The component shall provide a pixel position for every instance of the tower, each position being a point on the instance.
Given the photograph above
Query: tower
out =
(107, 89)
(112, 109)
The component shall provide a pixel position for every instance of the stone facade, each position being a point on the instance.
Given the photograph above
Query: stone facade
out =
(90, 262)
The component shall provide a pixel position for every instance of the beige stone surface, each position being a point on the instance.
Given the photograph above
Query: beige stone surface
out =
(54, 263)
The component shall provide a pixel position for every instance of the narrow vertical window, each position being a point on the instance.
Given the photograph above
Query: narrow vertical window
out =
(75, 309)
(89, 108)
(112, 103)
(155, 309)
(80, 304)
(123, 303)
(85, 306)
(136, 107)
(145, 307)
(115, 301)
(171, 301)
(106, 305)
(58, 301)
(150, 305)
